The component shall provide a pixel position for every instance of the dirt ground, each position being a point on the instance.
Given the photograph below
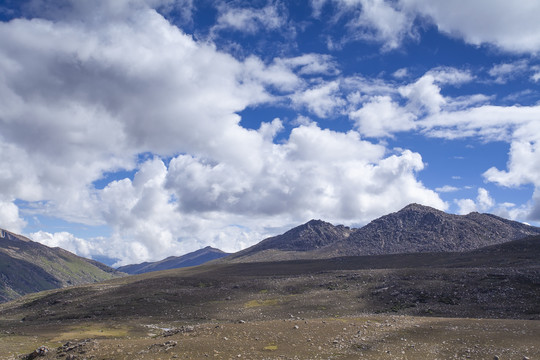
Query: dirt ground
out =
(365, 337)
(295, 311)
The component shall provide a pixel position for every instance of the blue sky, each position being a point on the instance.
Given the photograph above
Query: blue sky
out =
(138, 129)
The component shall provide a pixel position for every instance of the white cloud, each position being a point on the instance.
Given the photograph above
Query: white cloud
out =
(371, 20)
(80, 99)
(250, 20)
(507, 71)
(465, 206)
(401, 73)
(449, 75)
(380, 114)
(446, 189)
(510, 26)
(69, 242)
(312, 64)
(10, 218)
(322, 100)
(380, 21)
(484, 200)
(484, 203)
(382, 117)
(536, 76)
(424, 95)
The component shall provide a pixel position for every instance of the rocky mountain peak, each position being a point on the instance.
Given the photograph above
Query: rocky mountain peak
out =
(419, 228)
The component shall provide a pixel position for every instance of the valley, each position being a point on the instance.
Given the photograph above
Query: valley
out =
(372, 307)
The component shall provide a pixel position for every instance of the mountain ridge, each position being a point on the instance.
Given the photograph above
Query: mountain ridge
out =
(27, 266)
(415, 228)
(194, 258)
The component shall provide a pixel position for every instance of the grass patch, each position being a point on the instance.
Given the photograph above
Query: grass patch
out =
(261, 303)
(271, 347)
(91, 332)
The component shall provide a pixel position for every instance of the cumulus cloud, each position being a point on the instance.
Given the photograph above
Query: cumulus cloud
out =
(69, 242)
(87, 90)
(382, 117)
(78, 99)
(9, 217)
(380, 21)
(483, 203)
(476, 22)
(316, 173)
(421, 105)
(322, 100)
(377, 21)
(479, 22)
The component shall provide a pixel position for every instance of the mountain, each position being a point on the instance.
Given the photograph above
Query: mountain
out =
(297, 243)
(174, 262)
(418, 228)
(414, 229)
(27, 266)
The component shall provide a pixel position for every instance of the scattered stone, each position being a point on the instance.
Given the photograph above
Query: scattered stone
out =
(182, 329)
(296, 327)
(241, 322)
(166, 346)
(40, 351)
(496, 357)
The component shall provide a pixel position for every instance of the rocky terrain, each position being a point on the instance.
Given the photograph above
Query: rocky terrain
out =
(195, 258)
(477, 304)
(27, 266)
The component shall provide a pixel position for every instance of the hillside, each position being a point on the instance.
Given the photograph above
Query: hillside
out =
(475, 304)
(415, 228)
(27, 266)
(195, 258)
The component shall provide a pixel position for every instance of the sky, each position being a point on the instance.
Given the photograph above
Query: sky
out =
(133, 130)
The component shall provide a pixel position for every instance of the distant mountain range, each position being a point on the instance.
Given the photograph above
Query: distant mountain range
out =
(174, 262)
(414, 229)
(27, 266)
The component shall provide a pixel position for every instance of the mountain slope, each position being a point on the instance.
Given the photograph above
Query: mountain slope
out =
(418, 228)
(297, 243)
(174, 262)
(27, 266)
